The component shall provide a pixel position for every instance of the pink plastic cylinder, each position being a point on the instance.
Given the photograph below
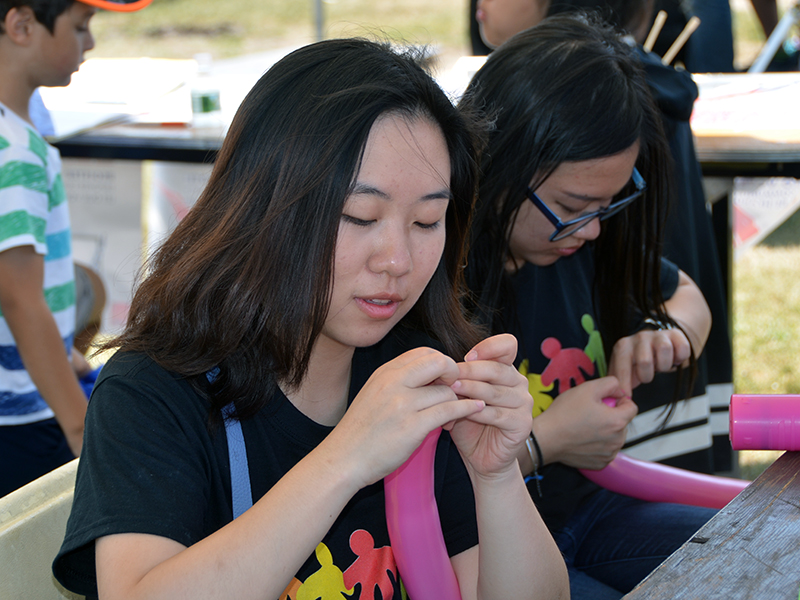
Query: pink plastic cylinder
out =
(765, 422)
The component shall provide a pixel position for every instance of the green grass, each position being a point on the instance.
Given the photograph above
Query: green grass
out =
(766, 330)
(752, 464)
(181, 28)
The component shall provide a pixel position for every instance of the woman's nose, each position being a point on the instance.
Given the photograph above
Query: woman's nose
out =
(392, 254)
(590, 231)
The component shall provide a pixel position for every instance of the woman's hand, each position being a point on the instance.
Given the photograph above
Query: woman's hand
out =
(580, 430)
(403, 401)
(515, 547)
(490, 440)
(637, 358)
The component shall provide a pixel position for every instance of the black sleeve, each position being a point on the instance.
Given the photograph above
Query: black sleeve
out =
(669, 278)
(145, 466)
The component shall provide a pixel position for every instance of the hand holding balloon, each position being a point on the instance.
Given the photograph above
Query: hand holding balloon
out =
(396, 408)
(490, 440)
(579, 431)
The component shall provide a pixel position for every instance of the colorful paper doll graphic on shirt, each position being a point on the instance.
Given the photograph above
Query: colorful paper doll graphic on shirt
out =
(541, 400)
(374, 567)
(373, 570)
(325, 584)
(594, 347)
(566, 367)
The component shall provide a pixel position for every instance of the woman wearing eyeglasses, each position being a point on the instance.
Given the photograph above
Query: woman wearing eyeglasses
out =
(566, 255)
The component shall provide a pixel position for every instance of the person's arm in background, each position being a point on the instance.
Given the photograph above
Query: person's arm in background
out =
(39, 341)
(637, 358)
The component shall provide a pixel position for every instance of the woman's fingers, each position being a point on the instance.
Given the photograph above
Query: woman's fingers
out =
(501, 348)
(488, 372)
(637, 358)
(422, 366)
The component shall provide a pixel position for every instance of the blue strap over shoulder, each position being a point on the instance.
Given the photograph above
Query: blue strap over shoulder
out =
(237, 455)
(242, 495)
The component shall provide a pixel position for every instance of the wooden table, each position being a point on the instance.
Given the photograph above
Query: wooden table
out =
(749, 550)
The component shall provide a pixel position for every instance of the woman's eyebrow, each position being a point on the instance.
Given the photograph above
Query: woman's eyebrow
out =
(370, 190)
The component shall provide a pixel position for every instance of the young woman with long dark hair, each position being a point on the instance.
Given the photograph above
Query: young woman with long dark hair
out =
(310, 301)
(566, 255)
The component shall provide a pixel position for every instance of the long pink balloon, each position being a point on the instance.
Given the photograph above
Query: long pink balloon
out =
(414, 527)
(659, 483)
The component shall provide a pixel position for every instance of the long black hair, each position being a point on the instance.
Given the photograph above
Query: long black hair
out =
(569, 90)
(243, 283)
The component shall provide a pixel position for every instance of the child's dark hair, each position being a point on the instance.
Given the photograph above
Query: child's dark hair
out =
(244, 281)
(46, 11)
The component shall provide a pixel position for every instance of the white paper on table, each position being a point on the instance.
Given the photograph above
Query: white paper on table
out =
(116, 90)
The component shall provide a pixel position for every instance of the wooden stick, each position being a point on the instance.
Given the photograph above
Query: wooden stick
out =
(670, 54)
(661, 18)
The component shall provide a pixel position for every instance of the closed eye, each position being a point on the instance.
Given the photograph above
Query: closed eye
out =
(570, 211)
(357, 222)
(434, 225)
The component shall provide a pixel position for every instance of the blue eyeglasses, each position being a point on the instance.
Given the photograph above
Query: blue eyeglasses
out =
(567, 228)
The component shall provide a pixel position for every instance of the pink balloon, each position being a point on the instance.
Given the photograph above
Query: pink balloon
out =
(414, 527)
(659, 483)
(655, 482)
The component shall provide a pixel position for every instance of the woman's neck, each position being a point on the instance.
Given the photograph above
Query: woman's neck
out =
(323, 394)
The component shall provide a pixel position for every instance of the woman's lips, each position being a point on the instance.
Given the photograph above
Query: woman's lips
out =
(569, 251)
(379, 308)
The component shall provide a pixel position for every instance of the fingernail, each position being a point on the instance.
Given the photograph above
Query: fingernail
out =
(472, 355)
(456, 385)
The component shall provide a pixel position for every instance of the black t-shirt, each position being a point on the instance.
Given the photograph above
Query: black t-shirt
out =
(151, 465)
(559, 348)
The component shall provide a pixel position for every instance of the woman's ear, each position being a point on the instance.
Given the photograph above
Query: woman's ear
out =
(19, 25)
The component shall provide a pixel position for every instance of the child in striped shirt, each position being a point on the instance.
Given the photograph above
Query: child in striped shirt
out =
(42, 405)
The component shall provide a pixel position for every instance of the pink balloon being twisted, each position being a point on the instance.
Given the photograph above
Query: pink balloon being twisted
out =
(659, 483)
(415, 530)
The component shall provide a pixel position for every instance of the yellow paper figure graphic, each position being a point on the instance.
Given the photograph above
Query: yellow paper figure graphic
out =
(541, 400)
(325, 584)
